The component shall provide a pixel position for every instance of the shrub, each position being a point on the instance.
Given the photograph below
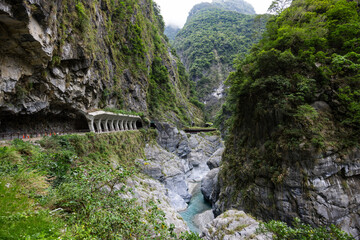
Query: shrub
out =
(83, 19)
(20, 217)
(303, 231)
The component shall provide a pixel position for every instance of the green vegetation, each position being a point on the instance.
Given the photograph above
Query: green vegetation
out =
(120, 39)
(303, 231)
(294, 95)
(170, 32)
(213, 35)
(119, 111)
(235, 5)
(74, 187)
(83, 19)
(160, 89)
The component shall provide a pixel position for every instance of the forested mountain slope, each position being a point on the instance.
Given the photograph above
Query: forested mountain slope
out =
(294, 149)
(63, 58)
(170, 32)
(212, 36)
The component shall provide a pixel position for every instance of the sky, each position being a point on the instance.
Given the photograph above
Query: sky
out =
(175, 12)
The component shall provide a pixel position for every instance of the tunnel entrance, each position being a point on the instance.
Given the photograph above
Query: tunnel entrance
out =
(139, 124)
(43, 123)
(152, 125)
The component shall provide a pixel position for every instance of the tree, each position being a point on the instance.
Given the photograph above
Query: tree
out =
(277, 6)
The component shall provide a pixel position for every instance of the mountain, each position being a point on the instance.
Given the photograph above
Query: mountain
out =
(239, 6)
(208, 43)
(170, 32)
(235, 5)
(293, 149)
(60, 59)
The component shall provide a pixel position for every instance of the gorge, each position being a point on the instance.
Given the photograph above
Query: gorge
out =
(141, 158)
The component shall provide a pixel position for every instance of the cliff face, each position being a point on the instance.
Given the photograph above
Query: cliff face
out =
(62, 58)
(293, 150)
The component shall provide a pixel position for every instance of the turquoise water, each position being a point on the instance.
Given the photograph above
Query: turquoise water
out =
(197, 205)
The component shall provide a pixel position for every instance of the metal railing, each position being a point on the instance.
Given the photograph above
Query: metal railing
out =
(30, 135)
(198, 130)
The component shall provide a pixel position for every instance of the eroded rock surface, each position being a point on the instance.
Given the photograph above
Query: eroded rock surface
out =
(202, 219)
(215, 160)
(233, 225)
(179, 161)
(54, 61)
(321, 191)
(147, 189)
(210, 187)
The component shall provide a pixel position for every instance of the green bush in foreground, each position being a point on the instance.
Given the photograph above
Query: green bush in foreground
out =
(301, 231)
(74, 187)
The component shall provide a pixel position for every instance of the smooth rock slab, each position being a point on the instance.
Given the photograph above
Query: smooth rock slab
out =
(202, 219)
(176, 201)
(178, 185)
(215, 160)
(209, 185)
(146, 190)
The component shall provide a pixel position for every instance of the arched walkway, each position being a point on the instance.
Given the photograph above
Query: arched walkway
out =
(101, 121)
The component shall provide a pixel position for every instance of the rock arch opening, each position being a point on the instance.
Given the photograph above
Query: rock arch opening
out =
(41, 123)
(102, 121)
(139, 124)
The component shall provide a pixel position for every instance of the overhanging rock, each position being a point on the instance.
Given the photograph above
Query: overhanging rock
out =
(101, 121)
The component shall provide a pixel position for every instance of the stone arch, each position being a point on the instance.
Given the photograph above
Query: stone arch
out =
(101, 121)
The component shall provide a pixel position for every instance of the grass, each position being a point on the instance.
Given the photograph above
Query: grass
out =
(74, 187)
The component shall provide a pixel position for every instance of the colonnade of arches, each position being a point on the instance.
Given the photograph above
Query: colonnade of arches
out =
(101, 121)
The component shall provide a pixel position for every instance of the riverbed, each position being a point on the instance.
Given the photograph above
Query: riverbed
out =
(197, 205)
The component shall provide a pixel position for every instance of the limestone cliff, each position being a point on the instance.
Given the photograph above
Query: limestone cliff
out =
(61, 58)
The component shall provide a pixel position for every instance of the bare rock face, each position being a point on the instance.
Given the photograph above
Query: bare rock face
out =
(202, 219)
(215, 160)
(233, 225)
(210, 187)
(30, 83)
(147, 189)
(167, 168)
(320, 192)
(26, 47)
(179, 161)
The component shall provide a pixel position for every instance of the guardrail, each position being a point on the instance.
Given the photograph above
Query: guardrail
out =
(197, 130)
(30, 135)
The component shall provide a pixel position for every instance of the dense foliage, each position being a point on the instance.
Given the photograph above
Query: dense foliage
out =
(282, 231)
(239, 6)
(170, 32)
(74, 187)
(308, 53)
(295, 94)
(210, 40)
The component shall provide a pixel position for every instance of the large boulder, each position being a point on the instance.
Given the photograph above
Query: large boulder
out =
(210, 187)
(206, 144)
(167, 168)
(215, 160)
(178, 185)
(145, 190)
(202, 219)
(176, 201)
(172, 139)
(233, 225)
